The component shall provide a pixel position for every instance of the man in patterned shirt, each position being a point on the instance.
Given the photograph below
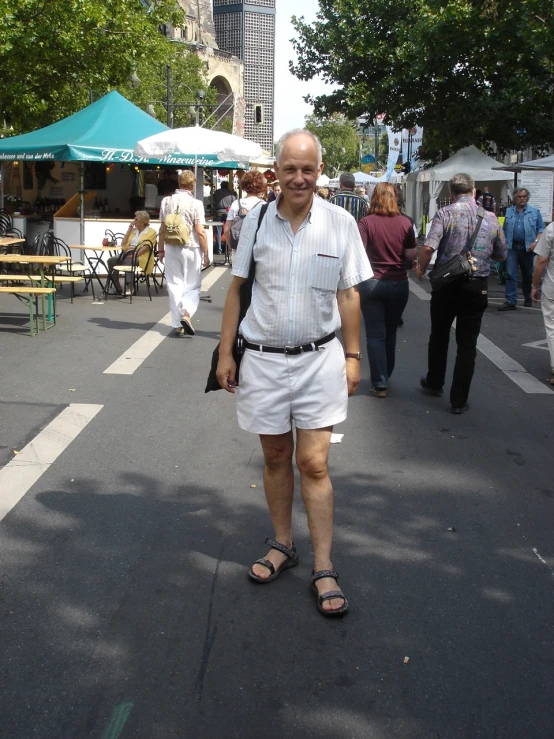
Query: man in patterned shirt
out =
(463, 300)
(346, 198)
(308, 259)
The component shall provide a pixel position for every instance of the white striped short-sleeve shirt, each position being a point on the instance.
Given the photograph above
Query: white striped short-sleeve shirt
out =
(294, 297)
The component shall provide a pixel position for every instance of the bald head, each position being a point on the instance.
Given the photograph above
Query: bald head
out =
(299, 141)
(298, 166)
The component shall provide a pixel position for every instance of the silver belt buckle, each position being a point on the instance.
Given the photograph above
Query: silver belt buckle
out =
(290, 350)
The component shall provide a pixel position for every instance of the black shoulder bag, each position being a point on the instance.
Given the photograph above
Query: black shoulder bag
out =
(458, 266)
(245, 300)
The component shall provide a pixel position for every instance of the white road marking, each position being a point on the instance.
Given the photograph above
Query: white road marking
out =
(509, 366)
(21, 473)
(213, 277)
(543, 344)
(419, 291)
(135, 355)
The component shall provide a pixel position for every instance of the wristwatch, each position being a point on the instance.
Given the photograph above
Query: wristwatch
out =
(353, 355)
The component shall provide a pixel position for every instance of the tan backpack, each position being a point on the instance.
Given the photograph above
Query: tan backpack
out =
(177, 232)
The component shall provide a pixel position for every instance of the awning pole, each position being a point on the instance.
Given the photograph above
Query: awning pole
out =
(3, 184)
(82, 188)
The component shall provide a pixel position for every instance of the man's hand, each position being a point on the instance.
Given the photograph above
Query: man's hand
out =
(225, 373)
(533, 245)
(205, 259)
(419, 272)
(161, 255)
(536, 294)
(352, 374)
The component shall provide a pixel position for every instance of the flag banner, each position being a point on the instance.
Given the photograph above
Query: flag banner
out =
(395, 144)
(412, 139)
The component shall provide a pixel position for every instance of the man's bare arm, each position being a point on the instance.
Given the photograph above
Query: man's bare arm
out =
(349, 309)
(538, 272)
(226, 368)
(425, 256)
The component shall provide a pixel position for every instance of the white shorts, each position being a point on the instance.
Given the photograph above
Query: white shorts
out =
(275, 390)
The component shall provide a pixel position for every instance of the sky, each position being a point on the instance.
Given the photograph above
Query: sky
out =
(290, 108)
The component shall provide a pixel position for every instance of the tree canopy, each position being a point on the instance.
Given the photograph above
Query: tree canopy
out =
(54, 52)
(339, 142)
(468, 71)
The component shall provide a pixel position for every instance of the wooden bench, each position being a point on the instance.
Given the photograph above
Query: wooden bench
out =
(32, 294)
(58, 279)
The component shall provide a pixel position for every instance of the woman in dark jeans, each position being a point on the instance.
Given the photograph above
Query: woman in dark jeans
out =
(390, 243)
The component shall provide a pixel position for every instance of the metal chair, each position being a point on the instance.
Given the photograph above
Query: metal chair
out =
(161, 272)
(114, 238)
(138, 273)
(6, 225)
(50, 245)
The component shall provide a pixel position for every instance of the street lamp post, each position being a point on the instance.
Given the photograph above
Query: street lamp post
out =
(194, 109)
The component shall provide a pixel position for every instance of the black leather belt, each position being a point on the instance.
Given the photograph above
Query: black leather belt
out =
(290, 350)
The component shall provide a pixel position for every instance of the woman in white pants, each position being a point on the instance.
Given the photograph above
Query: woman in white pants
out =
(183, 264)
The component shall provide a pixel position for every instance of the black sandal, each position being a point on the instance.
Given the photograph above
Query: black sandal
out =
(291, 561)
(328, 595)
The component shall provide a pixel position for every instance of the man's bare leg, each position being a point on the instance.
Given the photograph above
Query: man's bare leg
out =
(279, 492)
(312, 452)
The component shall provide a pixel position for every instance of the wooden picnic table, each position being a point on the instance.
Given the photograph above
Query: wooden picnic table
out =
(40, 262)
(8, 241)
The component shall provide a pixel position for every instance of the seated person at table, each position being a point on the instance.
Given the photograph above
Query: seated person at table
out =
(138, 232)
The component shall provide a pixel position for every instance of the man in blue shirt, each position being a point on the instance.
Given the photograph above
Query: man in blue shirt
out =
(523, 226)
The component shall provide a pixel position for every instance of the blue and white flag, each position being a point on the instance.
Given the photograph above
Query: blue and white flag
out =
(395, 144)
(411, 139)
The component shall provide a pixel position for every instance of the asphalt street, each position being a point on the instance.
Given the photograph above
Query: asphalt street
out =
(125, 609)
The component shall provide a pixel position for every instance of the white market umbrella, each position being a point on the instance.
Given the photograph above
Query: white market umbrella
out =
(204, 146)
(323, 181)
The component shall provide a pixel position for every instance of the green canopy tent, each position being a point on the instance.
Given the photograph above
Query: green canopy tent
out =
(105, 131)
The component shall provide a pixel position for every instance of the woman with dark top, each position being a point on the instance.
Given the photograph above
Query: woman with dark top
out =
(389, 240)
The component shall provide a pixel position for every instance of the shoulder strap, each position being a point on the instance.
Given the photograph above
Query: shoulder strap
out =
(252, 270)
(480, 216)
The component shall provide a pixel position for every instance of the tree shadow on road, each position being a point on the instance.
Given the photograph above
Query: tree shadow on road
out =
(144, 600)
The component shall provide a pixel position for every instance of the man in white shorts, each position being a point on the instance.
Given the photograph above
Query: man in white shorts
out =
(308, 258)
(183, 264)
(543, 287)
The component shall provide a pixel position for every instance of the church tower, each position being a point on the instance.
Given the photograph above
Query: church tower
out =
(247, 30)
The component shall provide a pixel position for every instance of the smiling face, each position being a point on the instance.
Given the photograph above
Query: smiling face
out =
(298, 171)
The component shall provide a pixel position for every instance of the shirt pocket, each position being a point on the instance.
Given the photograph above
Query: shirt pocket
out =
(325, 272)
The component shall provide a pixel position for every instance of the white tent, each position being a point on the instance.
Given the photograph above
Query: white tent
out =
(546, 163)
(431, 184)
(361, 179)
(323, 181)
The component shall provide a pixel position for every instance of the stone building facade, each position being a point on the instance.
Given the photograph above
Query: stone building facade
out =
(225, 69)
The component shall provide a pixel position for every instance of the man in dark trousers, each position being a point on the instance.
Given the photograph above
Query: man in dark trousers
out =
(523, 226)
(463, 299)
